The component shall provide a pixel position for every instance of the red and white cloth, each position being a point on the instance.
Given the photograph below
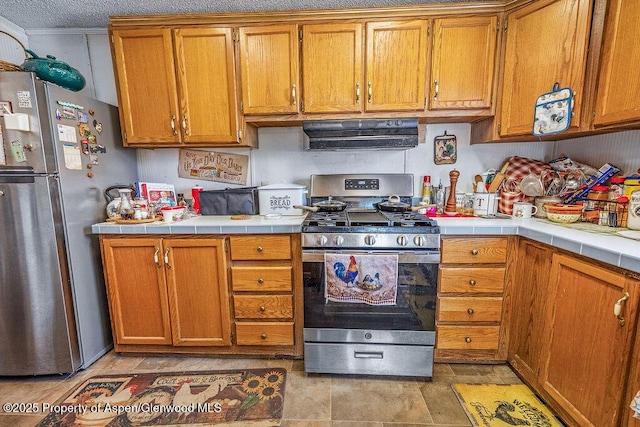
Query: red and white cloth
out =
(358, 278)
(518, 168)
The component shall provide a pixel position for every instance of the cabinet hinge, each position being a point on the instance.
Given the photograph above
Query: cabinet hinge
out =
(499, 128)
(239, 135)
(125, 135)
(300, 34)
(112, 40)
(233, 338)
(302, 105)
(593, 117)
(506, 25)
(225, 246)
(235, 36)
(429, 29)
(242, 106)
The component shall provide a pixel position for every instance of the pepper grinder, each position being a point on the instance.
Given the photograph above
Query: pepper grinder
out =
(451, 201)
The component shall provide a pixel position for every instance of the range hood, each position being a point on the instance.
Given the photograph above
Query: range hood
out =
(368, 134)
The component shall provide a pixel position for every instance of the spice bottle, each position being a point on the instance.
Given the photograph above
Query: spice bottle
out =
(616, 189)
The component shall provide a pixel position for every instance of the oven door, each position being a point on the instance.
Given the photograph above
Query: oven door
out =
(415, 303)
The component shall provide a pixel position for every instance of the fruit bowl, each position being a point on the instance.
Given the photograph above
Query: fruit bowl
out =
(564, 218)
(563, 209)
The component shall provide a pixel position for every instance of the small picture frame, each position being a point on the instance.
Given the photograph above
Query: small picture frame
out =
(445, 149)
(5, 108)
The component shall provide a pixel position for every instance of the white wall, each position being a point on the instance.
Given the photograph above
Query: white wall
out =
(280, 157)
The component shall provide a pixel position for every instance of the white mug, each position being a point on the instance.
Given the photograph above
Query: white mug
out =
(524, 210)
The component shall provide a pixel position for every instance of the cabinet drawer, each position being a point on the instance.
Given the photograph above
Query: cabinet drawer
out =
(263, 247)
(263, 306)
(264, 333)
(467, 337)
(261, 279)
(485, 250)
(471, 280)
(469, 309)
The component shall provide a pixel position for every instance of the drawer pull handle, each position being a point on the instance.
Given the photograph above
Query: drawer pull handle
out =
(474, 252)
(472, 282)
(368, 355)
(261, 280)
(259, 249)
(263, 336)
(470, 310)
(262, 308)
(467, 339)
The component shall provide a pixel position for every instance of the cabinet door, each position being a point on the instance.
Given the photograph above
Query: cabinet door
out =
(269, 68)
(147, 93)
(587, 353)
(206, 83)
(198, 291)
(619, 84)
(396, 65)
(137, 290)
(332, 60)
(546, 43)
(528, 304)
(462, 62)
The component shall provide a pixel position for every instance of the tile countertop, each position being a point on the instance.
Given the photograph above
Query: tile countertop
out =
(606, 247)
(208, 224)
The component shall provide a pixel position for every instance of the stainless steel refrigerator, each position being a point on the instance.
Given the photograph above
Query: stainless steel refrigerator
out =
(59, 152)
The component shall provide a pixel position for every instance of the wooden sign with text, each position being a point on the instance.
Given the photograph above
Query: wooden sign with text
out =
(212, 166)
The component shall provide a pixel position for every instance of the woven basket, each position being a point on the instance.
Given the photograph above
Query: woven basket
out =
(6, 65)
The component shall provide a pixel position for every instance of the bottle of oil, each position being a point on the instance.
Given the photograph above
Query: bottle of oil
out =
(426, 189)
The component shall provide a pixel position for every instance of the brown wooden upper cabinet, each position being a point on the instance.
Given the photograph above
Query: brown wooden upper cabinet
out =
(168, 95)
(332, 68)
(396, 65)
(617, 100)
(463, 62)
(269, 58)
(345, 72)
(546, 42)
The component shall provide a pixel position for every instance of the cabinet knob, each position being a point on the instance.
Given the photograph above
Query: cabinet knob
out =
(261, 280)
(467, 339)
(259, 249)
(472, 282)
(263, 336)
(470, 310)
(262, 308)
(474, 252)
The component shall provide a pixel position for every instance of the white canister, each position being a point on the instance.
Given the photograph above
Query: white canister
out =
(485, 204)
(633, 219)
(281, 199)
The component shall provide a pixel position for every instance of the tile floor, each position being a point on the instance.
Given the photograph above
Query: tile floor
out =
(314, 400)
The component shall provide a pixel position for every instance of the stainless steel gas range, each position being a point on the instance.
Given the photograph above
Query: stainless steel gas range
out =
(353, 334)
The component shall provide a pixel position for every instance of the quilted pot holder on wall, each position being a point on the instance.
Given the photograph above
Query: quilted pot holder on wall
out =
(553, 111)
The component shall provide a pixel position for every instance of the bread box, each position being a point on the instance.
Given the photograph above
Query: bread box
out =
(281, 198)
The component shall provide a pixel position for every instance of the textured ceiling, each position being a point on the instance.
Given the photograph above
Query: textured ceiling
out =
(41, 14)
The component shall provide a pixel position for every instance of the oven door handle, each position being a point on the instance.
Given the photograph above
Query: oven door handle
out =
(368, 354)
(408, 257)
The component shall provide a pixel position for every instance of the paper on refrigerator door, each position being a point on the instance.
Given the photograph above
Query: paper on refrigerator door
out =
(72, 157)
(67, 133)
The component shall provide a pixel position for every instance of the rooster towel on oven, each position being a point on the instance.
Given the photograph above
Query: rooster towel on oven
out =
(369, 279)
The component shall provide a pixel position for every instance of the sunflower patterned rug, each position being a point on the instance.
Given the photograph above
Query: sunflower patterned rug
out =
(503, 405)
(252, 397)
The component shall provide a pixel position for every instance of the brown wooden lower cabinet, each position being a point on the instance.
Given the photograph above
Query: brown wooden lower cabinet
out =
(205, 294)
(565, 340)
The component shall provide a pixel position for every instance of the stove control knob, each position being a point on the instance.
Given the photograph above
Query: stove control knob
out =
(338, 240)
(402, 240)
(370, 239)
(418, 240)
(322, 240)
